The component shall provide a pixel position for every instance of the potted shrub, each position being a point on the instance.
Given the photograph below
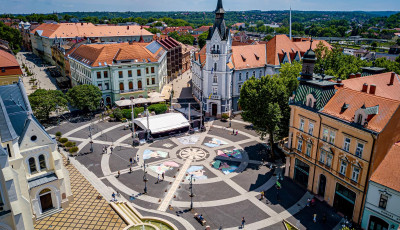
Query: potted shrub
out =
(69, 145)
(224, 117)
(63, 140)
(73, 150)
(58, 135)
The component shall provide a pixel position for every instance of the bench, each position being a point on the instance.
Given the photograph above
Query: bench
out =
(202, 222)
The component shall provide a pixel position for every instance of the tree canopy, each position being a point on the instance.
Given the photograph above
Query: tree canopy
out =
(13, 36)
(85, 97)
(43, 102)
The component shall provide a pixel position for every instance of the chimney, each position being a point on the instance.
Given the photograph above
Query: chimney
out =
(352, 75)
(358, 75)
(372, 89)
(392, 78)
(365, 88)
(81, 23)
(339, 82)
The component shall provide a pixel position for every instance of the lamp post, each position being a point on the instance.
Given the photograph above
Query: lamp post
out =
(145, 177)
(133, 117)
(91, 141)
(191, 191)
(148, 122)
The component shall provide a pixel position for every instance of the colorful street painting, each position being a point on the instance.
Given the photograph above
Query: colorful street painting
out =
(189, 140)
(224, 167)
(147, 154)
(197, 172)
(236, 153)
(215, 143)
(162, 168)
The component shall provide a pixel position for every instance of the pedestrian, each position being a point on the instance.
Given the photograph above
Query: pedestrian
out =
(111, 149)
(237, 132)
(262, 195)
(134, 161)
(315, 218)
(137, 158)
(130, 161)
(130, 169)
(119, 173)
(158, 178)
(163, 176)
(118, 194)
(113, 196)
(308, 202)
(243, 222)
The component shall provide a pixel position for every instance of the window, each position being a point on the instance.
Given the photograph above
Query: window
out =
(33, 138)
(100, 86)
(247, 76)
(32, 165)
(360, 119)
(139, 84)
(343, 167)
(215, 90)
(106, 86)
(147, 70)
(153, 81)
(139, 72)
(42, 162)
(130, 85)
(359, 150)
(383, 201)
(308, 150)
(240, 76)
(329, 160)
(105, 73)
(121, 86)
(98, 75)
(254, 74)
(215, 67)
(120, 74)
(325, 134)
(300, 145)
(215, 79)
(239, 87)
(346, 145)
(260, 73)
(301, 124)
(311, 128)
(322, 156)
(332, 137)
(310, 102)
(148, 81)
(355, 174)
(153, 70)
(129, 73)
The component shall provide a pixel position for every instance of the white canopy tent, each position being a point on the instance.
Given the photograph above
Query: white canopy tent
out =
(155, 94)
(163, 123)
(122, 103)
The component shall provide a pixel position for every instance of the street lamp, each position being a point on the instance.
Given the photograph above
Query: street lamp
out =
(133, 117)
(91, 140)
(145, 177)
(191, 191)
(148, 122)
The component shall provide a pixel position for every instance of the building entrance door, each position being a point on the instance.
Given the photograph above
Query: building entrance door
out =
(376, 223)
(322, 185)
(344, 201)
(214, 109)
(45, 200)
(301, 172)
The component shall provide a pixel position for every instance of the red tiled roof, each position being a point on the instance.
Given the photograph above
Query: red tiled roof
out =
(9, 64)
(202, 55)
(92, 54)
(305, 45)
(72, 30)
(249, 56)
(355, 100)
(388, 172)
(381, 81)
(203, 28)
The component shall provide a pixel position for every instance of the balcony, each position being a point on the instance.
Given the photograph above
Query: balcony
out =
(215, 51)
(215, 97)
(284, 146)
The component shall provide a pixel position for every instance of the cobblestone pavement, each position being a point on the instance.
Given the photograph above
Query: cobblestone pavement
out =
(86, 211)
(222, 197)
(39, 69)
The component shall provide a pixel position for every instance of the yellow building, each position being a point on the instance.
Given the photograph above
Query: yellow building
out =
(337, 138)
(9, 69)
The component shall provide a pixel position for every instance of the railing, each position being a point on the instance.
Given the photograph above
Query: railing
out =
(215, 97)
(284, 145)
(215, 52)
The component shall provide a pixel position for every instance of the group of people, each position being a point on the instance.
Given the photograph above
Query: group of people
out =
(114, 195)
(105, 149)
(235, 132)
(162, 176)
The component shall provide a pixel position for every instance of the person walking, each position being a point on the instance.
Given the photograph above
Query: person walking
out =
(262, 195)
(308, 202)
(158, 178)
(243, 222)
(163, 176)
(130, 169)
(119, 174)
(113, 196)
(137, 158)
(315, 218)
(130, 161)
(111, 149)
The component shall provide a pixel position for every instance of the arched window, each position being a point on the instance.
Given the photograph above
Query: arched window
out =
(121, 86)
(215, 79)
(32, 165)
(254, 73)
(217, 47)
(247, 76)
(130, 85)
(215, 67)
(240, 76)
(360, 119)
(42, 162)
(44, 191)
(260, 73)
(310, 102)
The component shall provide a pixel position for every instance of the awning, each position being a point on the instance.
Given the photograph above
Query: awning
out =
(155, 94)
(42, 180)
(156, 100)
(166, 91)
(193, 112)
(163, 123)
(122, 103)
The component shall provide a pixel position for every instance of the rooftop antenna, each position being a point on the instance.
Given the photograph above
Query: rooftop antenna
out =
(290, 23)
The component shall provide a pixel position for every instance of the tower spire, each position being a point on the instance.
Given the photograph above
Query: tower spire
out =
(220, 8)
(290, 22)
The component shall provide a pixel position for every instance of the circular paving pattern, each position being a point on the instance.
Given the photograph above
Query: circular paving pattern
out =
(197, 154)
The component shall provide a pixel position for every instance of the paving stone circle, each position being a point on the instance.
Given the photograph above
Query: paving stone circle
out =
(198, 154)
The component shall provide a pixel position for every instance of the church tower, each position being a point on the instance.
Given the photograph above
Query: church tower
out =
(217, 88)
(309, 60)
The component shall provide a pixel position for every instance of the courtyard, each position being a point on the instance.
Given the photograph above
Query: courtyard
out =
(228, 172)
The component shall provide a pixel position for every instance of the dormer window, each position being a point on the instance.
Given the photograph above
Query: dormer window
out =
(360, 119)
(310, 100)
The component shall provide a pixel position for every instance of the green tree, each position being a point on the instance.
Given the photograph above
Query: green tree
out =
(85, 97)
(13, 36)
(43, 102)
(202, 39)
(260, 101)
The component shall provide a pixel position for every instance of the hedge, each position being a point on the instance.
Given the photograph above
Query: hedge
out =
(73, 149)
(157, 108)
(63, 140)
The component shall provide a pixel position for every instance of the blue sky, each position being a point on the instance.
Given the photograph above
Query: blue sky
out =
(47, 6)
